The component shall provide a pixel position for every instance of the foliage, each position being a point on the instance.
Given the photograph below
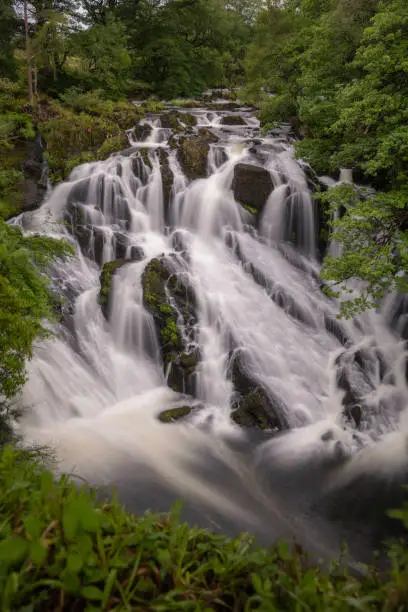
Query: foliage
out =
(374, 248)
(93, 133)
(62, 549)
(340, 72)
(10, 180)
(25, 300)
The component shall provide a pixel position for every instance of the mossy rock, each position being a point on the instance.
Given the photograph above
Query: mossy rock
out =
(181, 376)
(233, 120)
(252, 412)
(157, 303)
(106, 281)
(252, 186)
(171, 121)
(161, 289)
(174, 414)
(167, 181)
(193, 153)
(188, 119)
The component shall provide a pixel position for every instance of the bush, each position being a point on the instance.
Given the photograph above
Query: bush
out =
(62, 549)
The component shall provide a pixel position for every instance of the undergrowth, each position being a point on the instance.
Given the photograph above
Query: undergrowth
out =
(61, 549)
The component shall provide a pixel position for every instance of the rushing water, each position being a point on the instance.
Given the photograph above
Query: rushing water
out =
(95, 390)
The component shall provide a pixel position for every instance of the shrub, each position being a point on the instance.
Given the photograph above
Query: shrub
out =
(62, 549)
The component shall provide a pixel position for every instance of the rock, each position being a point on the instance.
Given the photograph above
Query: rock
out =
(188, 119)
(136, 253)
(121, 245)
(170, 121)
(174, 414)
(232, 120)
(181, 376)
(167, 297)
(106, 279)
(167, 181)
(35, 171)
(253, 406)
(354, 413)
(142, 131)
(193, 153)
(252, 185)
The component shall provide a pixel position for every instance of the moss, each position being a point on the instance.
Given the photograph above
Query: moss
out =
(156, 301)
(193, 153)
(189, 361)
(253, 411)
(144, 154)
(189, 119)
(233, 120)
(106, 279)
(171, 120)
(174, 414)
(249, 208)
(113, 144)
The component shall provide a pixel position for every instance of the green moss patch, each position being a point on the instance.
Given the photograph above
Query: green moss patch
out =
(106, 280)
(174, 414)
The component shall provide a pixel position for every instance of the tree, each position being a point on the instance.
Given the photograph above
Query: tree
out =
(9, 28)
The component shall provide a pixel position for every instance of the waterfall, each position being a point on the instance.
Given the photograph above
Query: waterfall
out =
(95, 389)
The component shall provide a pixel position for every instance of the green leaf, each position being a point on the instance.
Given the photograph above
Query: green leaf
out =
(92, 592)
(74, 563)
(38, 553)
(13, 550)
(71, 582)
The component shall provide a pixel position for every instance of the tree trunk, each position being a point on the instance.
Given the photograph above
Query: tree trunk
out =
(28, 53)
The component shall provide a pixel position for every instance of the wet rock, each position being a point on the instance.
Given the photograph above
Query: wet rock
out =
(121, 245)
(106, 281)
(254, 407)
(252, 185)
(193, 153)
(334, 327)
(355, 413)
(232, 120)
(174, 414)
(142, 131)
(136, 253)
(167, 297)
(167, 181)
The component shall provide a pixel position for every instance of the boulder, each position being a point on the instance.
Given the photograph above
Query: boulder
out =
(193, 153)
(232, 120)
(252, 186)
(167, 296)
(106, 280)
(252, 405)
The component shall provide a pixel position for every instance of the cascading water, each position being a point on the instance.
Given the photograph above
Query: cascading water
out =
(95, 390)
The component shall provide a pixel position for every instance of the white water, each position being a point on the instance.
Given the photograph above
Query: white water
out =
(95, 390)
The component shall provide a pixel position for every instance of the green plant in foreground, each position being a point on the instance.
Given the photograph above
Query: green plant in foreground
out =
(61, 549)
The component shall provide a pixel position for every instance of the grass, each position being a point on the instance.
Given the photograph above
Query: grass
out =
(61, 549)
